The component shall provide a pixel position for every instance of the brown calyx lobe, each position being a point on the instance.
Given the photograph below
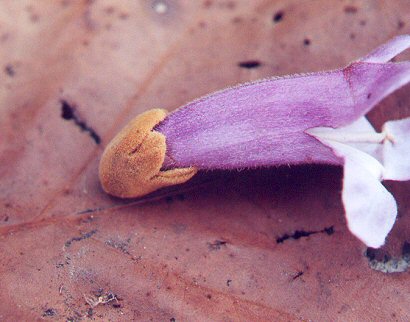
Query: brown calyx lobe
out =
(131, 163)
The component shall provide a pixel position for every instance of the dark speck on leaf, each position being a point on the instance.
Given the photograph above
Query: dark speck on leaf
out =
(236, 20)
(400, 24)
(9, 70)
(34, 17)
(278, 16)
(68, 112)
(350, 9)
(109, 10)
(49, 312)
(306, 41)
(80, 238)
(302, 233)
(298, 274)
(249, 64)
(217, 244)
(329, 230)
(123, 15)
(207, 3)
(230, 5)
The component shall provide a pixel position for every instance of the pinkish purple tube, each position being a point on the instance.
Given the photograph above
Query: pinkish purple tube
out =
(263, 123)
(313, 118)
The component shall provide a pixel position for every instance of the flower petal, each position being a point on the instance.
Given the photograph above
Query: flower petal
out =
(359, 135)
(389, 50)
(369, 83)
(396, 154)
(370, 209)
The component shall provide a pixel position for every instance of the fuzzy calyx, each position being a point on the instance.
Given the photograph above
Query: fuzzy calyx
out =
(131, 163)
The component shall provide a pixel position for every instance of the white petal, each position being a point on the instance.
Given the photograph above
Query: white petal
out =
(345, 140)
(370, 209)
(360, 125)
(396, 154)
(361, 159)
(360, 130)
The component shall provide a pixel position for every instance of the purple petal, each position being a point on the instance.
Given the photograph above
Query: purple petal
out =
(263, 123)
(389, 50)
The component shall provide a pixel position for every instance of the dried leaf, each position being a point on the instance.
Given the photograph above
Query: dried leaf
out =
(77, 70)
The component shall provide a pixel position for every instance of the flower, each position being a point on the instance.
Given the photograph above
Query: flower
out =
(311, 118)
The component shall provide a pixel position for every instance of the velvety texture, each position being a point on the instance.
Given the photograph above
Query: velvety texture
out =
(262, 123)
(316, 118)
(131, 163)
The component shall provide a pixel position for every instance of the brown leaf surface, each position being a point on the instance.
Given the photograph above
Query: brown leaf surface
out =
(215, 248)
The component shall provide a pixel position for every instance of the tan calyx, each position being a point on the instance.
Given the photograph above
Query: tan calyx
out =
(131, 163)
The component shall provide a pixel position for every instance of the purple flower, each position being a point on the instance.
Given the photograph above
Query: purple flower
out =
(312, 118)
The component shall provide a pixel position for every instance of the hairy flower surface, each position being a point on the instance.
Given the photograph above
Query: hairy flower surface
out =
(314, 118)
(300, 119)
